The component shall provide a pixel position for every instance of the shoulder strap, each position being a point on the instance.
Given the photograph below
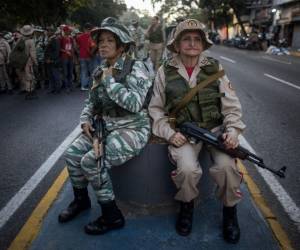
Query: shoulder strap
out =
(189, 96)
(127, 67)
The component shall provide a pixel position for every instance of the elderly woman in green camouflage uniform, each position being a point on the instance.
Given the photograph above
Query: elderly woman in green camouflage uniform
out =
(117, 96)
(216, 107)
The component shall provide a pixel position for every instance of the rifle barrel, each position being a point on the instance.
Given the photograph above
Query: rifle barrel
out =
(199, 134)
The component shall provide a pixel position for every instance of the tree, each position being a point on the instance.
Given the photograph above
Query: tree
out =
(218, 12)
(46, 12)
(128, 16)
(54, 12)
(97, 10)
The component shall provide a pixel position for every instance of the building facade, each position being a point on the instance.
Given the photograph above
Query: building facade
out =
(287, 21)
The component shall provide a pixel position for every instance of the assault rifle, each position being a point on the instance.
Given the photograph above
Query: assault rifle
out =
(196, 134)
(99, 139)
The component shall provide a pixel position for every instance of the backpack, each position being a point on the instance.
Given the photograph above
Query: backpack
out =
(18, 57)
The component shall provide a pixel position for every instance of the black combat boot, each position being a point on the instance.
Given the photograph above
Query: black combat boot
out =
(185, 218)
(80, 203)
(231, 229)
(111, 218)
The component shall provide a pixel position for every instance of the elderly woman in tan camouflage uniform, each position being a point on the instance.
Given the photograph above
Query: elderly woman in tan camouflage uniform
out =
(216, 107)
(118, 93)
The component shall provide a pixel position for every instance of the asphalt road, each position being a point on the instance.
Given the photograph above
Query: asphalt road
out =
(32, 130)
(271, 111)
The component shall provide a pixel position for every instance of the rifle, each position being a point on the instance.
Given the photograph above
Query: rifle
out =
(196, 134)
(99, 139)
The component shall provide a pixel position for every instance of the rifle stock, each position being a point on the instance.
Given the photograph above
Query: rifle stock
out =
(196, 134)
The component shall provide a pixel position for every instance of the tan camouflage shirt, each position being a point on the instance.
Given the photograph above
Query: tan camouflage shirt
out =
(231, 107)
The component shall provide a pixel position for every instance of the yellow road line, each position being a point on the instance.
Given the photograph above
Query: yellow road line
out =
(275, 226)
(32, 227)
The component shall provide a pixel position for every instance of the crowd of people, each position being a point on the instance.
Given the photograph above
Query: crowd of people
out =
(52, 58)
(63, 58)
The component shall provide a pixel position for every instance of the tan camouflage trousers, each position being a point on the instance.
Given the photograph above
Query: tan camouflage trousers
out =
(121, 146)
(188, 173)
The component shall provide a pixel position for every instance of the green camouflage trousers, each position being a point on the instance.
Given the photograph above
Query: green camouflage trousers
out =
(121, 145)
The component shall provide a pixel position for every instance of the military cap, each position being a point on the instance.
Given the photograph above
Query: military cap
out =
(113, 25)
(27, 30)
(190, 25)
(9, 37)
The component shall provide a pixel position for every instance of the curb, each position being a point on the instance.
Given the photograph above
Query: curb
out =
(295, 53)
(260, 202)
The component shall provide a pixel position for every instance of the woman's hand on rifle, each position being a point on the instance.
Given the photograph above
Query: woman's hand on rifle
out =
(178, 139)
(96, 146)
(88, 129)
(230, 138)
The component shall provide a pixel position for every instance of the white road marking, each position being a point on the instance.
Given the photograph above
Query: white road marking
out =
(18, 199)
(227, 59)
(283, 197)
(275, 60)
(282, 81)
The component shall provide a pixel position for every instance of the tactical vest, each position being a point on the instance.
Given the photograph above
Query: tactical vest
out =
(102, 103)
(205, 107)
(156, 36)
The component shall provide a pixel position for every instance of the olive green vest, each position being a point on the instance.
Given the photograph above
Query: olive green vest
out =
(205, 107)
(101, 102)
(156, 36)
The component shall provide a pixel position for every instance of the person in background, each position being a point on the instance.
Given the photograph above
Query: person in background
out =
(83, 42)
(39, 37)
(67, 57)
(138, 36)
(26, 75)
(76, 63)
(53, 62)
(5, 84)
(156, 37)
(95, 56)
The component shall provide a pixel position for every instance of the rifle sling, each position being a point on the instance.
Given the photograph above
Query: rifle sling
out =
(189, 96)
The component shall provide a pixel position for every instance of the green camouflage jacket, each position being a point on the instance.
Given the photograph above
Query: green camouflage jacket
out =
(129, 96)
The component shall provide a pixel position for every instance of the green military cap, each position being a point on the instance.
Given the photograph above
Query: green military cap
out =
(113, 25)
(9, 37)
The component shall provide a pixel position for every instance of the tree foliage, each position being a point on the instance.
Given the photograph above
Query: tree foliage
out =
(54, 12)
(97, 10)
(217, 12)
(39, 12)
